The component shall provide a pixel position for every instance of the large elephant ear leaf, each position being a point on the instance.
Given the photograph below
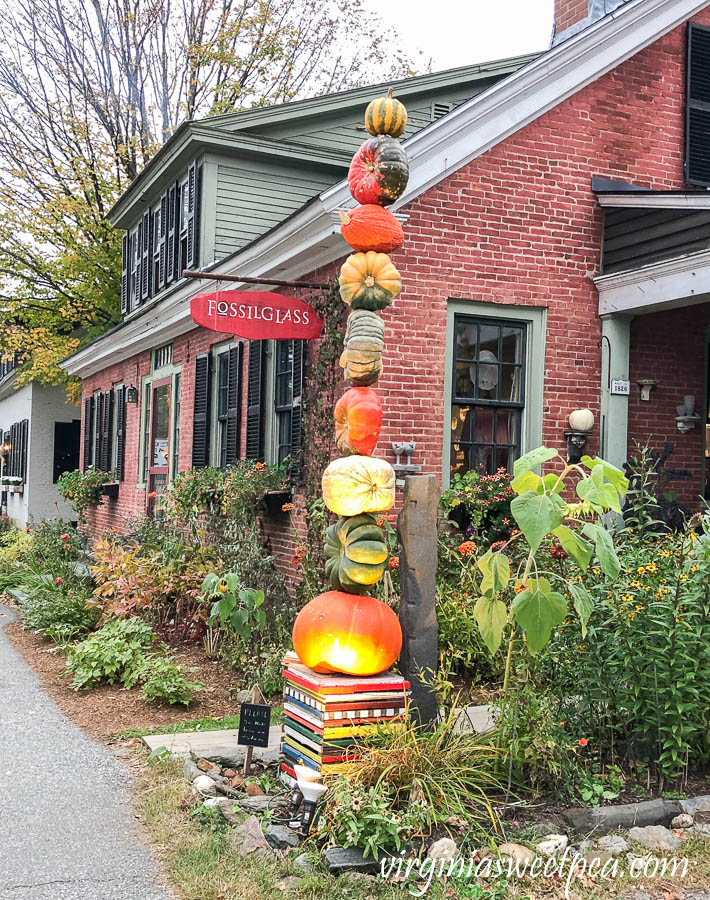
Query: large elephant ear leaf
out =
(532, 460)
(490, 615)
(537, 515)
(604, 546)
(538, 613)
(583, 604)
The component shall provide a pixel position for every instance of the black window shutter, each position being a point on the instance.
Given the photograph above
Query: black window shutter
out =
(13, 450)
(162, 238)
(138, 238)
(125, 264)
(88, 430)
(24, 441)
(697, 134)
(120, 433)
(299, 364)
(145, 255)
(194, 179)
(98, 428)
(201, 413)
(170, 242)
(256, 370)
(234, 404)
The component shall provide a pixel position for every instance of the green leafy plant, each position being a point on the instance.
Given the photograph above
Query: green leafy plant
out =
(595, 787)
(479, 504)
(193, 493)
(164, 681)
(114, 653)
(83, 489)
(364, 816)
(233, 606)
(210, 818)
(60, 615)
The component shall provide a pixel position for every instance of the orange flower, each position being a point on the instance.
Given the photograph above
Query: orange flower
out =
(393, 563)
(287, 507)
(260, 466)
(468, 548)
(519, 588)
(152, 495)
(583, 742)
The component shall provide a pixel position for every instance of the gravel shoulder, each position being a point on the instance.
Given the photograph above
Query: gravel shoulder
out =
(67, 830)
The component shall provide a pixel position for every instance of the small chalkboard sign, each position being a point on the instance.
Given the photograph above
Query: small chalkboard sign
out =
(254, 723)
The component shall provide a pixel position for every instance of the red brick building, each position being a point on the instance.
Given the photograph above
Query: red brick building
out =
(556, 254)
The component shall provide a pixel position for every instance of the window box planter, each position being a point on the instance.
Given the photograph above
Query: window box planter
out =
(14, 488)
(110, 489)
(272, 501)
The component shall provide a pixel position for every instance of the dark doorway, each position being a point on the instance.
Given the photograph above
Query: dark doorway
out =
(66, 447)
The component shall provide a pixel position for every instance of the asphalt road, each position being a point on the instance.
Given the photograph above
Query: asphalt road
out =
(67, 831)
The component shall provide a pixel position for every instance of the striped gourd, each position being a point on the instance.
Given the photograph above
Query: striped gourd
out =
(385, 115)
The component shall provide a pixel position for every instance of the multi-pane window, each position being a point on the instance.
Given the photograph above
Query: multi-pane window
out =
(177, 384)
(162, 356)
(155, 281)
(283, 399)
(134, 256)
(488, 396)
(222, 373)
(184, 215)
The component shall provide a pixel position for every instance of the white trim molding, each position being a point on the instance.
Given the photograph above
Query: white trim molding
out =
(682, 281)
(655, 200)
(308, 240)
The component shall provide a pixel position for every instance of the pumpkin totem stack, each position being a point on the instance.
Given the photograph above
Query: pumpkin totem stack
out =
(345, 630)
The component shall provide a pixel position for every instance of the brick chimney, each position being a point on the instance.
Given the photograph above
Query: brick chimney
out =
(571, 16)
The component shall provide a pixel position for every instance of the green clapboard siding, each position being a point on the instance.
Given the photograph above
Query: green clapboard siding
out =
(254, 196)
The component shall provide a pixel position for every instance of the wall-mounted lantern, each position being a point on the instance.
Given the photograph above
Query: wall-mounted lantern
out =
(132, 394)
(581, 422)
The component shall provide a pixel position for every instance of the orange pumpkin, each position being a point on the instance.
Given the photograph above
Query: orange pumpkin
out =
(371, 227)
(339, 632)
(358, 419)
(358, 484)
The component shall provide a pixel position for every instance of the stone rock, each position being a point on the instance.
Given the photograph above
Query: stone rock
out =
(444, 848)
(596, 858)
(303, 863)
(656, 837)
(229, 773)
(238, 782)
(614, 843)
(359, 879)
(583, 846)
(249, 838)
(517, 851)
(349, 859)
(700, 831)
(694, 805)
(289, 883)
(552, 844)
(281, 837)
(255, 804)
(253, 790)
(227, 807)
(702, 817)
(209, 768)
(682, 821)
(190, 770)
(603, 819)
(204, 786)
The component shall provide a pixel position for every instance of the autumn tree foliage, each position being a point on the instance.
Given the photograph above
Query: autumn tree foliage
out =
(90, 89)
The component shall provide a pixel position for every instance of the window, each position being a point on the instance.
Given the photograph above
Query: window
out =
(67, 439)
(177, 387)
(98, 424)
(105, 430)
(159, 441)
(283, 400)
(163, 356)
(488, 394)
(216, 425)
(222, 407)
(164, 242)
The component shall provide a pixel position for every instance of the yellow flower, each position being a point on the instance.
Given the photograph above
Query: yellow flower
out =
(652, 567)
(636, 584)
(641, 570)
(665, 553)
(596, 571)
(693, 536)
(682, 577)
(693, 569)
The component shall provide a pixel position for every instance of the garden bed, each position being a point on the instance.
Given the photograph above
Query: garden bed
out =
(109, 709)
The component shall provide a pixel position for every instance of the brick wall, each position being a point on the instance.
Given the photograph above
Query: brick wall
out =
(519, 225)
(569, 12)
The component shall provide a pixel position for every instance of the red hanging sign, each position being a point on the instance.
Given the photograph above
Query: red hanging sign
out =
(257, 315)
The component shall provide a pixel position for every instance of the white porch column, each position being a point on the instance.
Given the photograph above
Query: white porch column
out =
(616, 331)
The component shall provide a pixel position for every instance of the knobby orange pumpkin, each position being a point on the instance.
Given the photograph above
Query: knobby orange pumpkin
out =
(371, 227)
(339, 632)
(385, 115)
(358, 419)
(358, 484)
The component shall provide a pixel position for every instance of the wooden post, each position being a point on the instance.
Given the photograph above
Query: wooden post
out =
(417, 610)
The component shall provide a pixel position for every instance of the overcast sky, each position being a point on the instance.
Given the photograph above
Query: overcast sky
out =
(462, 32)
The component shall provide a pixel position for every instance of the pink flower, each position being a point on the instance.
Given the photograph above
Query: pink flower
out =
(58, 582)
(65, 538)
(583, 742)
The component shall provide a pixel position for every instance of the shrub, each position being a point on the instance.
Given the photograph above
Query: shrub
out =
(115, 652)
(479, 505)
(83, 489)
(15, 546)
(60, 615)
(164, 681)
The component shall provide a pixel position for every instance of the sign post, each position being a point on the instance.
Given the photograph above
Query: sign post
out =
(254, 725)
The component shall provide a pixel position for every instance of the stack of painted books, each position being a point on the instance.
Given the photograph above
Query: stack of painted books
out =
(324, 714)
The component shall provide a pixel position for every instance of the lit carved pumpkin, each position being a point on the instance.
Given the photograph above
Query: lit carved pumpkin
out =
(355, 553)
(338, 632)
(369, 280)
(371, 227)
(379, 171)
(358, 419)
(385, 115)
(362, 354)
(358, 484)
